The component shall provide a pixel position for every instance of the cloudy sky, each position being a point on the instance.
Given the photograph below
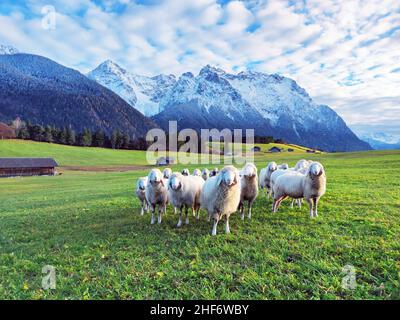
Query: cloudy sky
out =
(344, 53)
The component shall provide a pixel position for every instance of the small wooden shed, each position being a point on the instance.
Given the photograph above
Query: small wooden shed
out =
(15, 167)
(275, 149)
(165, 161)
(256, 149)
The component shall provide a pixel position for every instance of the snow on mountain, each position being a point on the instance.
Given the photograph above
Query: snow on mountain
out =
(270, 104)
(4, 49)
(382, 137)
(142, 93)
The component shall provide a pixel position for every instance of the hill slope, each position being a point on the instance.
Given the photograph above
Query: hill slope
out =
(44, 92)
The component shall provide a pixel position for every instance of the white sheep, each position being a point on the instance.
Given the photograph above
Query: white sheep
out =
(214, 172)
(141, 194)
(220, 196)
(265, 176)
(167, 173)
(311, 186)
(205, 174)
(197, 173)
(184, 192)
(249, 187)
(156, 193)
(186, 172)
(283, 166)
(302, 167)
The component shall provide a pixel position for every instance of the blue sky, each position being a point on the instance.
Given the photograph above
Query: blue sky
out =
(344, 53)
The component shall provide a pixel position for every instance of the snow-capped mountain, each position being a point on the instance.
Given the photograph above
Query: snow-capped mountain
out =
(270, 104)
(4, 49)
(41, 91)
(381, 140)
(142, 93)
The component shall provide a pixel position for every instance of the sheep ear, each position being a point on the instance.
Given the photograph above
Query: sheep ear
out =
(219, 178)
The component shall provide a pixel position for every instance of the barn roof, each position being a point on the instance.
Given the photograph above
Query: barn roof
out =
(6, 163)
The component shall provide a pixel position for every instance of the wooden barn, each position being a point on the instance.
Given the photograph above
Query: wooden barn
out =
(15, 167)
(6, 132)
(275, 149)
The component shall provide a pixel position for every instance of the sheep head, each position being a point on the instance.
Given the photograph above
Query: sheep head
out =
(175, 181)
(249, 170)
(185, 172)
(316, 169)
(284, 166)
(142, 184)
(197, 172)
(229, 176)
(272, 166)
(167, 173)
(156, 177)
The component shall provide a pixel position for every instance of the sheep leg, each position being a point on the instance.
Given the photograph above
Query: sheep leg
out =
(316, 200)
(187, 215)
(175, 210)
(214, 229)
(180, 218)
(142, 205)
(241, 206)
(250, 207)
(299, 202)
(310, 202)
(160, 210)
(198, 213)
(291, 204)
(227, 229)
(208, 217)
(153, 209)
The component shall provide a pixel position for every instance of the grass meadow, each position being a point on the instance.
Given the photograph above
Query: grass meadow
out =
(86, 224)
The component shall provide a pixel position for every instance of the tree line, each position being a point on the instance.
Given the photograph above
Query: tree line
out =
(86, 138)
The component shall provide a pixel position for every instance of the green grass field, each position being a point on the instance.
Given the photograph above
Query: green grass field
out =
(87, 225)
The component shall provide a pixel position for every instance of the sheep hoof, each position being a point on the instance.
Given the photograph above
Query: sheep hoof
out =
(179, 224)
(242, 217)
(152, 222)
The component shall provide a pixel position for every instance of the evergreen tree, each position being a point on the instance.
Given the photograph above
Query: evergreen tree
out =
(48, 134)
(62, 136)
(98, 139)
(125, 141)
(23, 133)
(86, 138)
(114, 139)
(70, 136)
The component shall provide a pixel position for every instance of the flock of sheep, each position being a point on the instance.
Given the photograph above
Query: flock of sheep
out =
(224, 192)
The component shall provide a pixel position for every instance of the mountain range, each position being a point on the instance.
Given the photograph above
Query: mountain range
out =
(381, 140)
(270, 104)
(41, 91)
(44, 92)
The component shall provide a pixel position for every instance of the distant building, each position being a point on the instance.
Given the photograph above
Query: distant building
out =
(15, 167)
(275, 149)
(256, 149)
(290, 150)
(6, 132)
(165, 161)
(310, 151)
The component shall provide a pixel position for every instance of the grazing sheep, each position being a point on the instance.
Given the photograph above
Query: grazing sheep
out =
(265, 175)
(214, 172)
(141, 194)
(249, 187)
(167, 173)
(311, 186)
(220, 196)
(197, 173)
(283, 166)
(184, 192)
(156, 193)
(186, 172)
(205, 174)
